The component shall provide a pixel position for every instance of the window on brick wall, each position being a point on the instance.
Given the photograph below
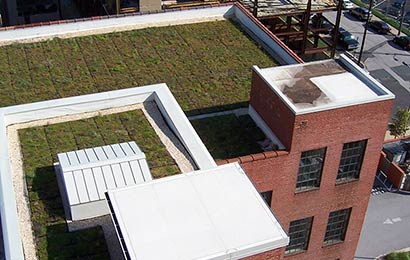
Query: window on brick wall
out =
(310, 169)
(337, 226)
(267, 196)
(299, 232)
(351, 160)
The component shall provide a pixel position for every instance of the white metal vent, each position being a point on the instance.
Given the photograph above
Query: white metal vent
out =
(85, 175)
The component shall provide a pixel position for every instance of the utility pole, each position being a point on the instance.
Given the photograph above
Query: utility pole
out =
(365, 32)
(118, 6)
(255, 8)
(306, 25)
(336, 28)
(402, 17)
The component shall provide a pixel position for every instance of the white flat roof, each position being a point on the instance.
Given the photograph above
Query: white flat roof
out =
(317, 86)
(208, 214)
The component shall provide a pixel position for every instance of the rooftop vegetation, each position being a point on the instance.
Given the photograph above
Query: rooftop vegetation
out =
(206, 65)
(40, 146)
(398, 256)
(229, 136)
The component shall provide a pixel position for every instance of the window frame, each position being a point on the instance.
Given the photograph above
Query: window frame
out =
(306, 232)
(347, 159)
(331, 239)
(305, 156)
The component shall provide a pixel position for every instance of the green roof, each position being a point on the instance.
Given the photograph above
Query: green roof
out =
(206, 65)
(229, 136)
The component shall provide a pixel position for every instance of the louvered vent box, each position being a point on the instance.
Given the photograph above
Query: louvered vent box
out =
(85, 175)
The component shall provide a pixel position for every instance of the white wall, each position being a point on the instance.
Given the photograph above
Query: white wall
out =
(273, 48)
(113, 24)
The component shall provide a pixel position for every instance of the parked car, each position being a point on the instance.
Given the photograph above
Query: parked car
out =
(320, 22)
(347, 40)
(346, 4)
(379, 26)
(361, 13)
(402, 41)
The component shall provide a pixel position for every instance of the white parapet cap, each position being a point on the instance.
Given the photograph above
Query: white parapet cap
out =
(205, 214)
(323, 85)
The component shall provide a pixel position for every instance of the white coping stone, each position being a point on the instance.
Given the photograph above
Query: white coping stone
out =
(169, 107)
(114, 24)
(209, 214)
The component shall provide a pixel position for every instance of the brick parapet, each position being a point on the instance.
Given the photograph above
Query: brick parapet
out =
(253, 157)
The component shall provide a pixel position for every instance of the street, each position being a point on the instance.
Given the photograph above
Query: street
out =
(385, 61)
(386, 227)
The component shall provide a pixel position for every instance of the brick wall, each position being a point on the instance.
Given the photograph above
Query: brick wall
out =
(272, 109)
(331, 129)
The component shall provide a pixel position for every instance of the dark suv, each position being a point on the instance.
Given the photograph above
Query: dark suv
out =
(361, 13)
(347, 40)
(379, 26)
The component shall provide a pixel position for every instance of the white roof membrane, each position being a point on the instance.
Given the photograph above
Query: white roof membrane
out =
(209, 214)
(322, 85)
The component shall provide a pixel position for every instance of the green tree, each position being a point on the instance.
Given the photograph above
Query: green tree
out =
(400, 123)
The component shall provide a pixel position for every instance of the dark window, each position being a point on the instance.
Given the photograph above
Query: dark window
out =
(299, 232)
(267, 196)
(351, 160)
(310, 169)
(336, 226)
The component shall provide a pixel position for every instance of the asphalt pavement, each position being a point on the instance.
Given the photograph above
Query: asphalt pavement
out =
(385, 61)
(386, 227)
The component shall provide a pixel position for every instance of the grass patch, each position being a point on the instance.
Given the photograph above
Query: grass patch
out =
(206, 65)
(393, 22)
(398, 256)
(229, 136)
(40, 146)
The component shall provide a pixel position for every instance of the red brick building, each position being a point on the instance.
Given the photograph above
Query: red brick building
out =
(330, 123)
